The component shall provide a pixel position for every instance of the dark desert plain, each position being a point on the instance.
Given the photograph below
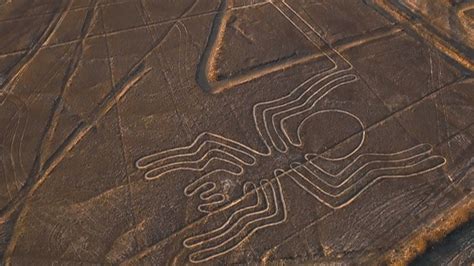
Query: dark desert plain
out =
(236, 132)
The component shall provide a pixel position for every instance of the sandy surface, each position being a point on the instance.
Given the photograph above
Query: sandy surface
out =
(233, 132)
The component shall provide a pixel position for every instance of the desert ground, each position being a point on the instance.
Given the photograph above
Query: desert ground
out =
(218, 132)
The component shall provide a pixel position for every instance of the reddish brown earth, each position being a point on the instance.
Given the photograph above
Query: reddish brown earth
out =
(236, 131)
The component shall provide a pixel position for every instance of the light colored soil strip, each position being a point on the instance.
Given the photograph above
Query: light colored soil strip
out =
(432, 233)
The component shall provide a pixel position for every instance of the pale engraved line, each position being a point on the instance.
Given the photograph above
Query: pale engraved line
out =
(395, 163)
(359, 121)
(20, 122)
(294, 111)
(287, 101)
(343, 171)
(251, 153)
(233, 246)
(367, 186)
(160, 158)
(230, 219)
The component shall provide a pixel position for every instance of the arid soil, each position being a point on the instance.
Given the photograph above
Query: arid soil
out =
(222, 132)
